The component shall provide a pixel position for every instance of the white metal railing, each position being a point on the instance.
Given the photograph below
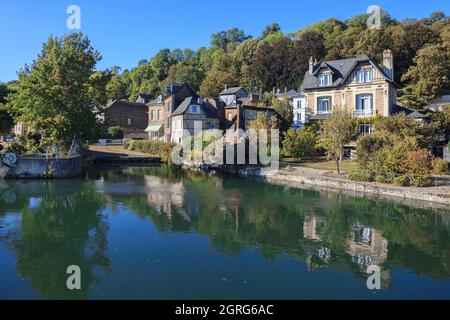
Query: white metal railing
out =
(364, 113)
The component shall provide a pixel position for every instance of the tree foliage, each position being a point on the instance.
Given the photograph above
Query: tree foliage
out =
(53, 96)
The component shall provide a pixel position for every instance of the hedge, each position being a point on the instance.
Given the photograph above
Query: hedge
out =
(154, 148)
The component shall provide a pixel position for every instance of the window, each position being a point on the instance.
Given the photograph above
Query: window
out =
(152, 117)
(364, 103)
(324, 79)
(365, 128)
(364, 75)
(323, 104)
(159, 114)
(129, 121)
(368, 75)
(194, 109)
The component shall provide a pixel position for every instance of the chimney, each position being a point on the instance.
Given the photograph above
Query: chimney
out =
(311, 65)
(226, 87)
(388, 63)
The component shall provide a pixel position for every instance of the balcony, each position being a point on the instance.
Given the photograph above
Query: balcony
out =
(364, 113)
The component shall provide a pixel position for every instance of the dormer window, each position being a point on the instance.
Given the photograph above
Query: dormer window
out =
(324, 79)
(194, 109)
(364, 75)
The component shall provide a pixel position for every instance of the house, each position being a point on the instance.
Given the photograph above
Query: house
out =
(233, 93)
(160, 111)
(359, 85)
(287, 95)
(439, 102)
(132, 117)
(143, 98)
(300, 115)
(19, 129)
(240, 113)
(193, 113)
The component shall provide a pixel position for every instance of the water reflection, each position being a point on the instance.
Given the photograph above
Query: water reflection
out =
(66, 222)
(60, 226)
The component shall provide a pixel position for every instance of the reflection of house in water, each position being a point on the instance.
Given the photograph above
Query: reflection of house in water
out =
(312, 227)
(166, 195)
(317, 256)
(367, 246)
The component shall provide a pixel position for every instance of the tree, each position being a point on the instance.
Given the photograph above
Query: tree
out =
(429, 76)
(300, 143)
(53, 95)
(337, 131)
(117, 89)
(271, 63)
(285, 110)
(228, 40)
(309, 44)
(220, 74)
(187, 74)
(6, 121)
(270, 29)
(115, 132)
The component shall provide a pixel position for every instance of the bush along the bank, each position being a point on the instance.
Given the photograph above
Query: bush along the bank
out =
(361, 175)
(396, 153)
(440, 166)
(154, 148)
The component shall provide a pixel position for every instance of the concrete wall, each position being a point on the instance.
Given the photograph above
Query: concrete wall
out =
(35, 168)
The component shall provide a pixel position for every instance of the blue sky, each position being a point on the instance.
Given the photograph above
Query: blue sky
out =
(128, 31)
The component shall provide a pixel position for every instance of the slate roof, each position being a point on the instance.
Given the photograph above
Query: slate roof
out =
(231, 90)
(126, 103)
(290, 94)
(144, 96)
(207, 108)
(341, 69)
(409, 112)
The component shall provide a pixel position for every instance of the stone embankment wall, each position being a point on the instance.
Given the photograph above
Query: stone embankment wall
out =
(36, 168)
(301, 177)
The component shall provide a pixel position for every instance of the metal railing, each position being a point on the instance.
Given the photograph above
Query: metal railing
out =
(364, 113)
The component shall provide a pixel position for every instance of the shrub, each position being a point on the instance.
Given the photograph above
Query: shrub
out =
(417, 162)
(361, 175)
(401, 181)
(155, 148)
(115, 132)
(382, 179)
(420, 180)
(16, 147)
(299, 144)
(440, 166)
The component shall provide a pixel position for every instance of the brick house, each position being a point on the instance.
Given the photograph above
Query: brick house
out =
(132, 117)
(159, 121)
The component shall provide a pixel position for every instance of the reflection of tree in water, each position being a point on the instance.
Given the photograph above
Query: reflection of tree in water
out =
(63, 228)
(352, 232)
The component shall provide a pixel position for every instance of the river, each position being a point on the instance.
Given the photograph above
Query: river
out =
(163, 233)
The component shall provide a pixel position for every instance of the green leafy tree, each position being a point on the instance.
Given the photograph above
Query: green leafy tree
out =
(228, 40)
(429, 76)
(221, 73)
(337, 131)
(53, 94)
(299, 144)
(6, 120)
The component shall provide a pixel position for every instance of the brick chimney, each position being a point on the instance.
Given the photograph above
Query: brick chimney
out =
(311, 65)
(388, 63)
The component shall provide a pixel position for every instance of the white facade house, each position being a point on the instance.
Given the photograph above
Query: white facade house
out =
(300, 114)
(193, 112)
